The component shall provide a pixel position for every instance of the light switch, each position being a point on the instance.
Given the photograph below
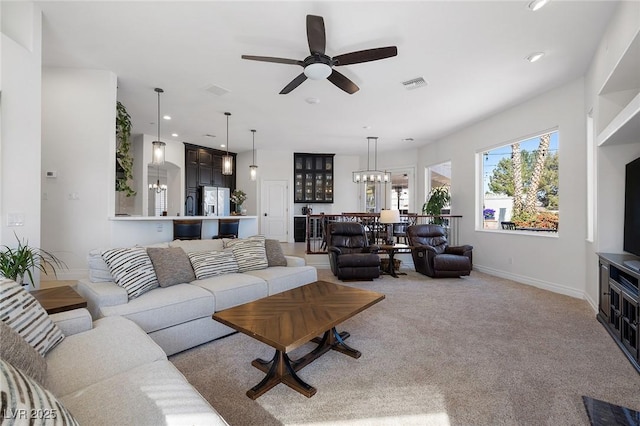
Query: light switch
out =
(15, 219)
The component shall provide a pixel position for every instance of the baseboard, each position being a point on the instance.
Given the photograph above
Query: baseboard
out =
(545, 285)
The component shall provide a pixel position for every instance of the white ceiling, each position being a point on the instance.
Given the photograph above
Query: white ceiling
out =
(471, 53)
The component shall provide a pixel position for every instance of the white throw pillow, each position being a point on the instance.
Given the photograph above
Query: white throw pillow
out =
(131, 269)
(211, 263)
(27, 402)
(23, 313)
(249, 253)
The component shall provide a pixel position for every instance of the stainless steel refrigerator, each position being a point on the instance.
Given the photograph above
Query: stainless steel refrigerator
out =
(215, 201)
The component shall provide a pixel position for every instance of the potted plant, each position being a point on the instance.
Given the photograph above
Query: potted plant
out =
(238, 197)
(22, 260)
(438, 198)
(124, 159)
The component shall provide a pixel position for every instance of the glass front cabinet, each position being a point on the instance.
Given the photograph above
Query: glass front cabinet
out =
(313, 178)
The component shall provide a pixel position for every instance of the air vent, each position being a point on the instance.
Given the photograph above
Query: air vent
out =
(216, 90)
(414, 83)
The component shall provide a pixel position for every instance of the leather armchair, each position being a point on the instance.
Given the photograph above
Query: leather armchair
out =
(350, 255)
(432, 255)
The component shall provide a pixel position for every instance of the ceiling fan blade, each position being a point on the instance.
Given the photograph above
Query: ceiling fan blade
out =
(276, 60)
(316, 34)
(343, 82)
(294, 83)
(365, 55)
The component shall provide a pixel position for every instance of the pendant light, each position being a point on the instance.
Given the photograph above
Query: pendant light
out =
(227, 160)
(371, 175)
(253, 169)
(157, 152)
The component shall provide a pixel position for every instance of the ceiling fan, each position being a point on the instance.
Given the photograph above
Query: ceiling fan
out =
(318, 65)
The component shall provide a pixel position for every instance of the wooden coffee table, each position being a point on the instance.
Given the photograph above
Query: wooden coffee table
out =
(288, 320)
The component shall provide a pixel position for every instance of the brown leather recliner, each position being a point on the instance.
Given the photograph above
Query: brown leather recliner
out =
(350, 255)
(432, 255)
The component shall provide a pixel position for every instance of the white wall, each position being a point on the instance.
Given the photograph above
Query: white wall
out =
(78, 141)
(609, 160)
(20, 150)
(554, 263)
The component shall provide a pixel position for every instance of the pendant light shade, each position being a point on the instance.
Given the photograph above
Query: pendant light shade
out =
(157, 152)
(158, 146)
(227, 160)
(253, 169)
(371, 175)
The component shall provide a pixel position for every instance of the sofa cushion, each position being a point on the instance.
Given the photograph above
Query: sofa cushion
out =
(28, 400)
(211, 263)
(275, 255)
(165, 307)
(98, 269)
(282, 278)
(190, 246)
(131, 269)
(172, 265)
(15, 350)
(249, 253)
(234, 289)
(22, 312)
(115, 345)
(151, 394)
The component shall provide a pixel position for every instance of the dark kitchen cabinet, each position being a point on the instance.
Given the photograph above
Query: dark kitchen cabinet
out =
(203, 167)
(313, 178)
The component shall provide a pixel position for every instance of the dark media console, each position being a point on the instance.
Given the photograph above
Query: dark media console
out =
(618, 306)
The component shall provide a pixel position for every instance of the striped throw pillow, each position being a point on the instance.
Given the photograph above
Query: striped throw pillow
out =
(249, 253)
(131, 269)
(24, 401)
(22, 312)
(211, 263)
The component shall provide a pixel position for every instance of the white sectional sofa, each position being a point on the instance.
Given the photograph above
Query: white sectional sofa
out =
(179, 317)
(109, 372)
(67, 369)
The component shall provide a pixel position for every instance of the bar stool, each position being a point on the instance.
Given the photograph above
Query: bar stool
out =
(228, 228)
(187, 229)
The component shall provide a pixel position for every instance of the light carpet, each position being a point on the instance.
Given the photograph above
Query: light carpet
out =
(480, 350)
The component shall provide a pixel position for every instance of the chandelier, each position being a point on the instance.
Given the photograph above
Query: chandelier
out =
(372, 175)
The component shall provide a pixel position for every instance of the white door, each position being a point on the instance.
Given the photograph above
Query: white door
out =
(274, 200)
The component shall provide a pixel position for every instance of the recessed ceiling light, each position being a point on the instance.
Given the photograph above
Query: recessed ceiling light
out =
(534, 56)
(366, 127)
(537, 4)
(166, 117)
(312, 101)
(175, 135)
(407, 140)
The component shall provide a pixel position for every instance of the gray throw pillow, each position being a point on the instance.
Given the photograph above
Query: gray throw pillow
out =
(172, 265)
(275, 255)
(15, 350)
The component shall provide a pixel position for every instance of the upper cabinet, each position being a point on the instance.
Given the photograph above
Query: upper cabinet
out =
(619, 99)
(313, 178)
(203, 167)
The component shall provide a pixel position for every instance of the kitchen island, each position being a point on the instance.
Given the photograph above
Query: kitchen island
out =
(127, 231)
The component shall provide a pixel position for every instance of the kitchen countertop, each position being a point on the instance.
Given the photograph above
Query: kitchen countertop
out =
(153, 218)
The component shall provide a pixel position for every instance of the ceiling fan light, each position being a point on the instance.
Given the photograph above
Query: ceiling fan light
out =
(317, 71)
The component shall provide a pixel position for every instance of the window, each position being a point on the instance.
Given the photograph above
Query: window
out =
(520, 185)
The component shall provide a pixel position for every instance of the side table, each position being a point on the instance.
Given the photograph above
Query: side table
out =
(391, 250)
(59, 299)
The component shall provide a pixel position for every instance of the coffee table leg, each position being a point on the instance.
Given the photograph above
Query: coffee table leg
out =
(280, 371)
